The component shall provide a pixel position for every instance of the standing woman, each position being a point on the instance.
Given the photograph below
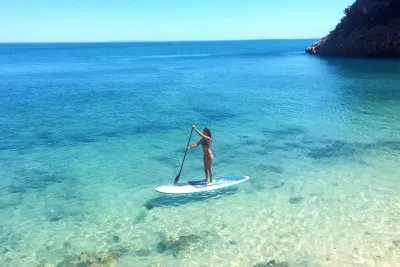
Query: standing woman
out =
(208, 157)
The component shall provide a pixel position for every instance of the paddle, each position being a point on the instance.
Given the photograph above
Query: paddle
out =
(179, 174)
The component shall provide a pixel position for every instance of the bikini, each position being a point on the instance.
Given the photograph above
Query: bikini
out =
(206, 143)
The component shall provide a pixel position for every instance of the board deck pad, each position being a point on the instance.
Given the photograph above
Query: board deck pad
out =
(201, 185)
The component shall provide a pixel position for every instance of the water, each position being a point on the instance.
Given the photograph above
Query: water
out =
(88, 130)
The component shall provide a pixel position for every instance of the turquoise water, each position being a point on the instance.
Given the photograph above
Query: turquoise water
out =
(87, 131)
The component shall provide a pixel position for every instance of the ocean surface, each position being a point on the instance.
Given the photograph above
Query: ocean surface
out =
(87, 131)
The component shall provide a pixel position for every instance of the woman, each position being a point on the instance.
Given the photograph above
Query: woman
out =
(208, 158)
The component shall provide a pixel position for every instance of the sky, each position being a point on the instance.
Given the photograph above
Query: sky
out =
(166, 20)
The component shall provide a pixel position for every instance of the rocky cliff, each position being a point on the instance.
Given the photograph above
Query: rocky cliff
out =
(370, 28)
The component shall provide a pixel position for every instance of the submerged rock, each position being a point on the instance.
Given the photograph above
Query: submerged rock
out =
(141, 216)
(120, 249)
(89, 259)
(4, 250)
(232, 242)
(294, 200)
(148, 206)
(175, 246)
(143, 252)
(279, 185)
(116, 238)
(67, 245)
(370, 28)
(271, 263)
(271, 168)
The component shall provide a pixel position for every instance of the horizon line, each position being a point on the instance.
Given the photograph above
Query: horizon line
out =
(154, 41)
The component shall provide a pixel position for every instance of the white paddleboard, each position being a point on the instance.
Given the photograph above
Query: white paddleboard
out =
(201, 186)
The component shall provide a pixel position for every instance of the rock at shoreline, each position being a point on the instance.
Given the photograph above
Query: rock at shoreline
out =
(370, 28)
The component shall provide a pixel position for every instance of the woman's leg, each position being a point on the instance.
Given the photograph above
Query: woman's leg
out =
(205, 167)
(210, 160)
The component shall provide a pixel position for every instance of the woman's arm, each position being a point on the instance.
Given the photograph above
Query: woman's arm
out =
(195, 145)
(200, 133)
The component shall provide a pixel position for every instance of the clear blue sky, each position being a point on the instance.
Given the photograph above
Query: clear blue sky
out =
(132, 20)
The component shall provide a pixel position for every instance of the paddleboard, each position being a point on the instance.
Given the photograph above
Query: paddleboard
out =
(201, 186)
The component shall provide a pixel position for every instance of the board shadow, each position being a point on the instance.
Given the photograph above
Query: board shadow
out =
(184, 199)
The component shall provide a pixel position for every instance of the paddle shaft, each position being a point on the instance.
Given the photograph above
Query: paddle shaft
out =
(183, 161)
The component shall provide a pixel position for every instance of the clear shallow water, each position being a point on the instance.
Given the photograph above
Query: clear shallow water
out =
(88, 130)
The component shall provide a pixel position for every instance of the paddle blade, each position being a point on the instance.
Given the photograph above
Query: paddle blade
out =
(176, 178)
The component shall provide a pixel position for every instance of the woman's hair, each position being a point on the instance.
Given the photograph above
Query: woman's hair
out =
(207, 132)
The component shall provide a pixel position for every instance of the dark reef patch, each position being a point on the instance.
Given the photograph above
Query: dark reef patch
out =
(271, 263)
(295, 200)
(215, 115)
(176, 246)
(91, 259)
(270, 168)
(331, 148)
(279, 184)
(169, 161)
(283, 133)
